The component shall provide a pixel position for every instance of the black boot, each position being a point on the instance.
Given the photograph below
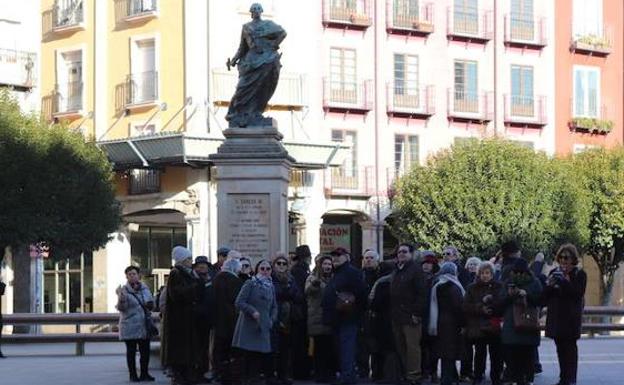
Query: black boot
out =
(134, 377)
(2, 355)
(146, 377)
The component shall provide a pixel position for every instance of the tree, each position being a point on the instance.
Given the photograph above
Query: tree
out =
(55, 187)
(480, 193)
(600, 173)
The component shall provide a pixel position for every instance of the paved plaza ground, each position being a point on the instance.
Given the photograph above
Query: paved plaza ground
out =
(601, 363)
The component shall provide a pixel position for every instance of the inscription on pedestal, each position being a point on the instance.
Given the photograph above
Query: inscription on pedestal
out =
(248, 224)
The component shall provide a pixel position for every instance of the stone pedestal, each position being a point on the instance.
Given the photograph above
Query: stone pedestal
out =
(253, 172)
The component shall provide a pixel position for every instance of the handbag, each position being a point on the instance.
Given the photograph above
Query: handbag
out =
(150, 328)
(345, 302)
(525, 318)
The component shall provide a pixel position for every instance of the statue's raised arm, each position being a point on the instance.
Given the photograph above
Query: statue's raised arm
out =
(259, 66)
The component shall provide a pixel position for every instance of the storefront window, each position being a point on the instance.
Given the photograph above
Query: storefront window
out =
(68, 285)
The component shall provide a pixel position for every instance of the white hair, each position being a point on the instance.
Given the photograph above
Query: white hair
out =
(232, 265)
(486, 265)
(472, 261)
(233, 254)
(373, 253)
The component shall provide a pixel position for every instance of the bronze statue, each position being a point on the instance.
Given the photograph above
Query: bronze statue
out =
(258, 70)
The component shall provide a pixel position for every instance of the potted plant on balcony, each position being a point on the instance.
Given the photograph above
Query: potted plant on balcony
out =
(592, 42)
(592, 125)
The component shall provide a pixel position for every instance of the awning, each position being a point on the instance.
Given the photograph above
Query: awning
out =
(178, 148)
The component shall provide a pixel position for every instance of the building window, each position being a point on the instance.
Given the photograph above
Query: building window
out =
(346, 175)
(69, 87)
(522, 20)
(522, 100)
(405, 13)
(68, 285)
(68, 12)
(342, 72)
(587, 18)
(465, 91)
(143, 80)
(405, 153)
(150, 249)
(406, 80)
(586, 91)
(466, 16)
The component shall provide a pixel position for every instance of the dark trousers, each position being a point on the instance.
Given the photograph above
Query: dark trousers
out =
(222, 358)
(282, 357)
(429, 358)
(482, 345)
(567, 354)
(521, 362)
(347, 343)
(131, 350)
(449, 372)
(300, 346)
(324, 358)
(467, 359)
(248, 366)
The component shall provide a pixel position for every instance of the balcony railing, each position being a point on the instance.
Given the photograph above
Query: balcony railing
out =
(68, 98)
(17, 68)
(595, 119)
(469, 26)
(350, 181)
(135, 10)
(143, 181)
(401, 22)
(525, 111)
(291, 92)
(344, 96)
(526, 31)
(599, 44)
(142, 88)
(67, 14)
(347, 13)
(470, 106)
(410, 100)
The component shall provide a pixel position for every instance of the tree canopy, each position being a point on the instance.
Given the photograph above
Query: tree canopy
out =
(478, 194)
(55, 187)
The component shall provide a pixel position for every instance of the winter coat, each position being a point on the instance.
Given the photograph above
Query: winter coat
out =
(408, 293)
(300, 272)
(370, 277)
(448, 344)
(504, 307)
(205, 309)
(379, 304)
(226, 287)
(474, 307)
(183, 294)
(346, 279)
(565, 306)
(250, 334)
(314, 296)
(288, 295)
(132, 312)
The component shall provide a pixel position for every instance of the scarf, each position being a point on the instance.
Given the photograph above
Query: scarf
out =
(433, 307)
(265, 282)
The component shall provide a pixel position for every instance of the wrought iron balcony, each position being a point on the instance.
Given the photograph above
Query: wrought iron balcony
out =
(526, 32)
(469, 26)
(136, 10)
(526, 111)
(354, 14)
(17, 69)
(400, 22)
(600, 44)
(470, 106)
(68, 98)
(143, 181)
(593, 119)
(142, 88)
(350, 181)
(345, 96)
(409, 100)
(67, 15)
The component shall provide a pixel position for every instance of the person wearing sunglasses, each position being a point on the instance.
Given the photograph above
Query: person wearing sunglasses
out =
(564, 296)
(245, 273)
(257, 315)
(288, 295)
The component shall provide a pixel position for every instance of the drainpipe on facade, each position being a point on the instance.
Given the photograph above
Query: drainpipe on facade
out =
(376, 111)
(495, 22)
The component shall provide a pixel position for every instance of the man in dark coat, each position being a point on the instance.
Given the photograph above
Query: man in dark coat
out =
(369, 360)
(183, 289)
(343, 305)
(204, 312)
(408, 296)
(300, 271)
(2, 288)
(226, 285)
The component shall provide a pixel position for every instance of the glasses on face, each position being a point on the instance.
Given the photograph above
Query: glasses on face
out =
(264, 268)
(281, 263)
(446, 254)
(246, 265)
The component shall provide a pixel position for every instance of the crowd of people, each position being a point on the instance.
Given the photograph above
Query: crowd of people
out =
(403, 320)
